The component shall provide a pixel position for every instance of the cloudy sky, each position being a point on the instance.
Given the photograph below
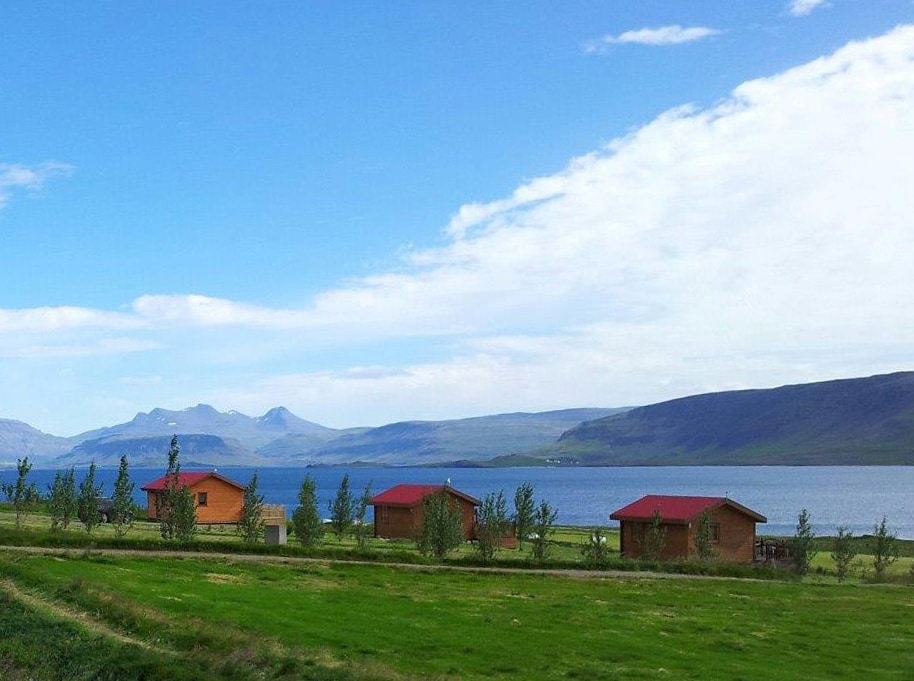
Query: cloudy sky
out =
(370, 212)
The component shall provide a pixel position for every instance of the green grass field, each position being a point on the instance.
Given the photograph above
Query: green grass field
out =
(226, 619)
(83, 615)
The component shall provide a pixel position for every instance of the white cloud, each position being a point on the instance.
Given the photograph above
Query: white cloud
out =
(53, 319)
(800, 8)
(16, 176)
(762, 241)
(664, 35)
(197, 310)
(103, 346)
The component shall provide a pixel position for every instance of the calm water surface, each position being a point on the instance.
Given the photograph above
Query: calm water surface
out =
(856, 496)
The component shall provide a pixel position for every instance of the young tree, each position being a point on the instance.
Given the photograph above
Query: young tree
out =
(185, 514)
(251, 524)
(543, 520)
(341, 509)
(442, 525)
(654, 538)
(596, 549)
(801, 551)
(885, 549)
(361, 510)
(165, 500)
(88, 501)
(704, 547)
(123, 509)
(843, 552)
(491, 525)
(62, 499)
(175, 506)
(22, 494)
(524, 508)
(306, 518)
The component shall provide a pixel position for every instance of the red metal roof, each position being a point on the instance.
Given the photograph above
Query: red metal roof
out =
(187, 480)
(677, 509)
(410, 495)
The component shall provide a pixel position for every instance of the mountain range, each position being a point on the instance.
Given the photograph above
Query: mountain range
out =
(279, 437)
(851, 421)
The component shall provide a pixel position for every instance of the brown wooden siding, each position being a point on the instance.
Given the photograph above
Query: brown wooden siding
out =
(736, 537)
(401, 522)
(223, 501)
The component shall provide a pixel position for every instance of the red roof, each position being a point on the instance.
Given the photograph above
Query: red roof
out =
(410, 495)
(187, 480)
(676, 509)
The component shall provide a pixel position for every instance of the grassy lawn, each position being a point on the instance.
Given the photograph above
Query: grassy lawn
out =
(233, 620)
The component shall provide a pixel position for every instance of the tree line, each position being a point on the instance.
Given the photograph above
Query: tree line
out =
(68, 502)
(844, 549)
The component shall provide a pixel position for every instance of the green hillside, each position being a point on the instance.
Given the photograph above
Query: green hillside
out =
(844, 422)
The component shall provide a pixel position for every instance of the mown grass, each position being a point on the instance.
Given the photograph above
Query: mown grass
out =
(335, 620)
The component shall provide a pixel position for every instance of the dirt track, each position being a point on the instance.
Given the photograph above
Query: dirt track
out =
(72, 615)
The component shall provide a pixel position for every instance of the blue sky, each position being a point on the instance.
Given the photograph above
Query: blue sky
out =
(371, 212)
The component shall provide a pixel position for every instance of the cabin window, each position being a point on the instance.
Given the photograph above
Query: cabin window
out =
(715, 533)
(639, 530)
(201, 499)
(385, 515)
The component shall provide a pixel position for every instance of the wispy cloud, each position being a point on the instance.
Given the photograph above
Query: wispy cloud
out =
(204, 311)
(55, 319)
(29, 178)
(103, 346)
(800, 8)
(664, 35)
(760, 241)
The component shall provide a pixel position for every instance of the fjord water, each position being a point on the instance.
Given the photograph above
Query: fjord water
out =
(856, 496)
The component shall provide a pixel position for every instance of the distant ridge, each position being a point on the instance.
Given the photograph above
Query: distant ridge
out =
(18, 439)
(279, 437)
(842, 422)
(204, 419)
(152, 451)
(435, 442)
(862, 421)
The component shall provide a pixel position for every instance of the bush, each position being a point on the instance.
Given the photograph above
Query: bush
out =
(654, 538)
(306, 519)
(442, 526)
(596, 551)
(801, 546)
(843, 552)
(491, 525)
(885, 549)
(543, 524)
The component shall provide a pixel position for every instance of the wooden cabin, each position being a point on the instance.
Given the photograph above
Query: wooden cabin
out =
(217, 499)
(732, 526)
(398, 512)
